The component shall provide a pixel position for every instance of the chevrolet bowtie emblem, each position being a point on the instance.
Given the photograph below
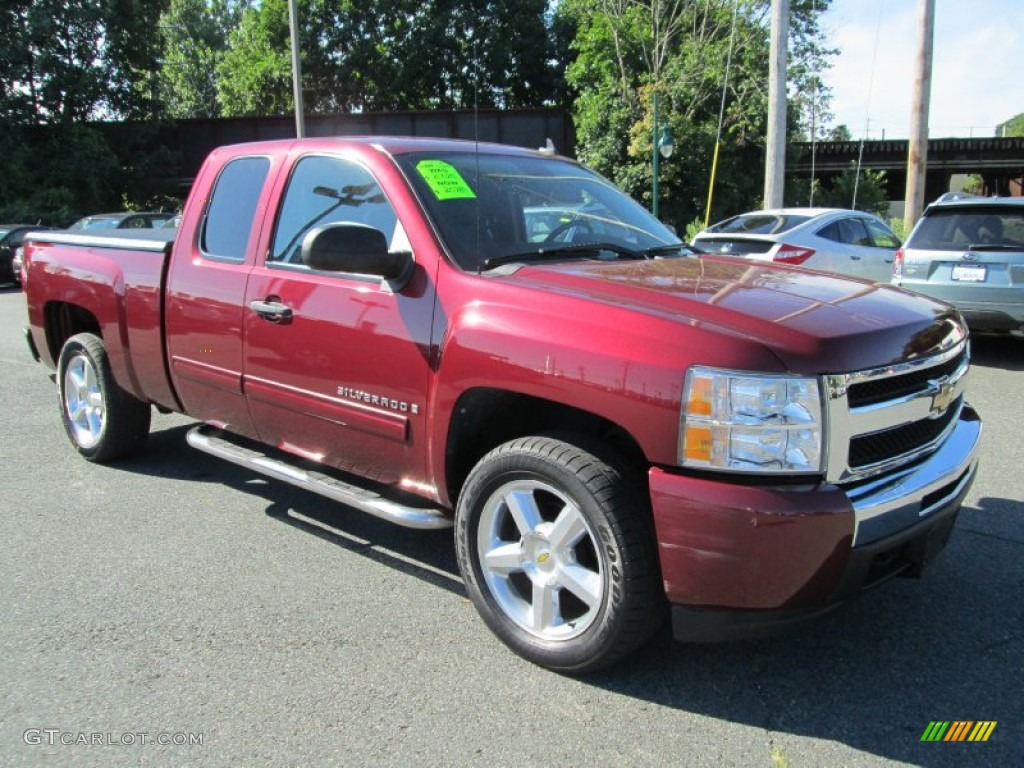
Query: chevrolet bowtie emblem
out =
(943, 393)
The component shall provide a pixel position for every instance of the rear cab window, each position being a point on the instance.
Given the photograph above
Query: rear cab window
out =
(232, 208)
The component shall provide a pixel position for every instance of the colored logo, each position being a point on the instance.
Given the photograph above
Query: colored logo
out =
(942, 391)
(958, 730)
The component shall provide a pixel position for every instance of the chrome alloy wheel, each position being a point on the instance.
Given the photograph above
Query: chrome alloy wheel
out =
(83, 401)
(541, 560)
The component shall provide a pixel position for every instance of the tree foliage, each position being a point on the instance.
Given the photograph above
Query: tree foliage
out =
(194, 35)
(379, 55)
(73, 61)
(63, 64)
(1012, 127)
(626, 50)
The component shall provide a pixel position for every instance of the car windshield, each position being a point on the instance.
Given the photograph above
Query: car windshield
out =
(759, 224)
(95, 222)
(491, 208)
(957, 228)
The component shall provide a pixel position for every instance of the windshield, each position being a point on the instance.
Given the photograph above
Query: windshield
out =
(488, 206)
(759, 224)
(90, 222)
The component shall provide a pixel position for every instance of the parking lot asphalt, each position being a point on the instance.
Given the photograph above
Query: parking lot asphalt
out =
(173, 599)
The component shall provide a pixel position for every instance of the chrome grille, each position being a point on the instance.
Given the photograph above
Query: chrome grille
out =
(866, 450)
(891, 387)
(888, 417)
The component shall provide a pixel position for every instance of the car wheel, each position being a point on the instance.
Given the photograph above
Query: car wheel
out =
(103, 421)
(557, 552)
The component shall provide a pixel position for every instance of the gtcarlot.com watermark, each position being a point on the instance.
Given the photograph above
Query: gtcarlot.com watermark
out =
(51, 737)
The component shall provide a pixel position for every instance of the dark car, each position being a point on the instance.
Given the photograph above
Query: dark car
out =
(11, 237)
(125, 220)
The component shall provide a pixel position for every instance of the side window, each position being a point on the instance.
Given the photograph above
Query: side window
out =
(831, 232)
(881, 236)
(326, 190)
(852, 231)
(232, 208)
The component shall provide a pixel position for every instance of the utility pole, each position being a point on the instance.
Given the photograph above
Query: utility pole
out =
(917, 158)
(293, 22)
(775, 156)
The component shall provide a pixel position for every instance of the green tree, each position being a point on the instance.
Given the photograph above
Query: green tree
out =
(194, 37)
(1012, 127)
(254, 73)
(864, 191)
(377, 55)
(625, 50)
(839, 133)
(131, 52)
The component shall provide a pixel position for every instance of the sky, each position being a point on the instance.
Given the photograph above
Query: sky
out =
(977, 65)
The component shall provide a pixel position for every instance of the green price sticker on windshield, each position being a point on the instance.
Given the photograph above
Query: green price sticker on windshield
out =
(444, 180)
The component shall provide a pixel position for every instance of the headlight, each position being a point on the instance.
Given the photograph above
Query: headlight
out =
(748, 422)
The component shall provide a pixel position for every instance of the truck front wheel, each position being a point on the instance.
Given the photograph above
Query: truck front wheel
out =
(556, 549)
(103, 421)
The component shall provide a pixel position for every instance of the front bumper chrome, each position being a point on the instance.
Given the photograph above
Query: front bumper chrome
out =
(886, 505)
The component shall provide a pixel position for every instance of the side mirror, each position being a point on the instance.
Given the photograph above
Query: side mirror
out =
(356, 249)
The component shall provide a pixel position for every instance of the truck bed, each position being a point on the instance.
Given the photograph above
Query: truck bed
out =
(118, 278)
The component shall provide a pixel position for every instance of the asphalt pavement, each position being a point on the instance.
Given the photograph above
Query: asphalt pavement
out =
(177, 610)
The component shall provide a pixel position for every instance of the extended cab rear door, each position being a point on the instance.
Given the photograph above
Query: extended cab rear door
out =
(213, 255)
(340, 373)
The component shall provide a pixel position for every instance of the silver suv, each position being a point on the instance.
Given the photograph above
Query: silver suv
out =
(969, 251)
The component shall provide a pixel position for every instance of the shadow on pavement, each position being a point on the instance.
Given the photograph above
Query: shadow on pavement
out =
(872, 676)
(998, 351)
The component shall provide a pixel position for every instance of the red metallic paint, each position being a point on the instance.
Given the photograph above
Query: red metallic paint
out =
(724, 545)
(611, 338)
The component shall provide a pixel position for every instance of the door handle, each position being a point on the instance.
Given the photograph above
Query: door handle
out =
(274, 311)
(855, 258)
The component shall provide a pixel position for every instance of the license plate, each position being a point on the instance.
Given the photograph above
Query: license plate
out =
(970, 273)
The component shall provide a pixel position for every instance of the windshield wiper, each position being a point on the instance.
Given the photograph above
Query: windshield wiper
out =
(559, 252)
(677, 249)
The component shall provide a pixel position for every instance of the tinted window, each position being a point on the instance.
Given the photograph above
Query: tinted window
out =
(950, 229)
(326, 190)
(232, 208)
(759, 224)
(852, 232)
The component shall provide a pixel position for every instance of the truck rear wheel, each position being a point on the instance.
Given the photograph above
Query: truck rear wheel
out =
(558, 555)
(103, 421)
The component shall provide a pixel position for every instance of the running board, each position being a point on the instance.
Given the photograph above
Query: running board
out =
(217, 443)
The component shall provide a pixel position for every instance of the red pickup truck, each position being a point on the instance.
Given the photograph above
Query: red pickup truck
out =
(447, 333)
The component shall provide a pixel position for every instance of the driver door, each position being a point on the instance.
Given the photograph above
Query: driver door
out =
(339, 375)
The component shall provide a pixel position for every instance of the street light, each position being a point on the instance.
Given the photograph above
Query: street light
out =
(663, 146)
(665, 143)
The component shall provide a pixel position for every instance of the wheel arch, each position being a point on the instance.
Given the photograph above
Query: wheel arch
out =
(484, 418)
(62, 320)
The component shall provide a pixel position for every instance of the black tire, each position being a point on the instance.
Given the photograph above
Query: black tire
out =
(571, 580)
(102, 421)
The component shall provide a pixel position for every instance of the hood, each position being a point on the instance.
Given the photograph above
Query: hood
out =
(812, 321)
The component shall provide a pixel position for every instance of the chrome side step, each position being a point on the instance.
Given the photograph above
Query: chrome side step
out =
(217, 443)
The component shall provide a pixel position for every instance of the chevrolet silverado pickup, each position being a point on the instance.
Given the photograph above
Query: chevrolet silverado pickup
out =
(452, 334)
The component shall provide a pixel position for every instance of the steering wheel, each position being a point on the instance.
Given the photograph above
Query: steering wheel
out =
(576, 221)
